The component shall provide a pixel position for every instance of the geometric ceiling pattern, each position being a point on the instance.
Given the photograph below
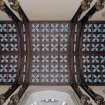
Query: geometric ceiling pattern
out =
(93, 53)
(50, 53)
(8, 52)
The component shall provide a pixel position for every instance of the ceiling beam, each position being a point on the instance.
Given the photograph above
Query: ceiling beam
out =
(23, 14)
(78, 50)
(77, 15)
(17, 21)
(80, 26)
(10, 13)
(7, 94)
(99, 100)
(19, 28)
(20, 33)
(25, 21)
(14, 4)
(71, 53)
(85, 5)
(15, 98)
(74, 21)
(27, 26)
(89, 14)
(74, 85)
(71, 44)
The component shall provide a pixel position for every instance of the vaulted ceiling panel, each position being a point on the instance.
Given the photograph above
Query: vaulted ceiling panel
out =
(3, 16)
(50, 9)
(99, 15)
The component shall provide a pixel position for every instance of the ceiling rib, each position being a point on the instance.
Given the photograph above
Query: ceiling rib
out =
(99, 100)
(10, 13)
(11, 90)
(74, 85)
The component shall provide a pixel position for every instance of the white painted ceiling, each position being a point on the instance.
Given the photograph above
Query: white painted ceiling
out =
(51, 10)
(99, 15)
(3, 16)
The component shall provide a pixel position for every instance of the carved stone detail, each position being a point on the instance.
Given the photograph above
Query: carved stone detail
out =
(99, 100)
(85, 100)
(14, 100)
(2, 99)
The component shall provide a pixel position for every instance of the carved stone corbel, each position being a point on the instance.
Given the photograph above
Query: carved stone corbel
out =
(85, 100)
(14, 100)
(99, 100)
